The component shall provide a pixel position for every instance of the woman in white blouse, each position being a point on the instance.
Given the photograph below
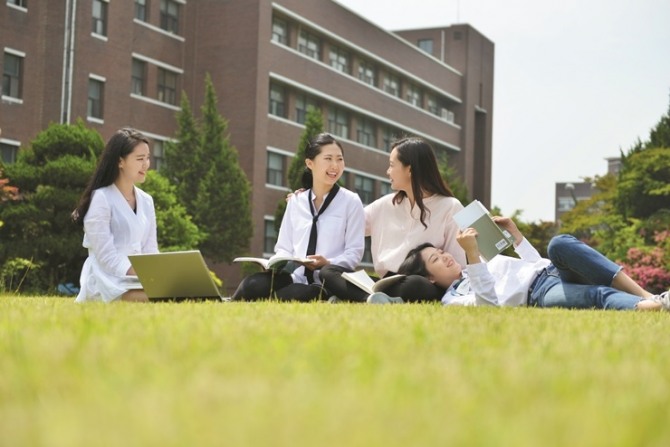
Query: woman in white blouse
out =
(331, 216)
(118, 218)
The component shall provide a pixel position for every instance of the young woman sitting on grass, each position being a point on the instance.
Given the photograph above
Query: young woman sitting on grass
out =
(575, 276)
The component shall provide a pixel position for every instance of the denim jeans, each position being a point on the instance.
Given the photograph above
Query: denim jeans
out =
(579, 278)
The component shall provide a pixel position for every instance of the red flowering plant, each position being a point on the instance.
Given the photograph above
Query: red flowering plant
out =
(648, 265)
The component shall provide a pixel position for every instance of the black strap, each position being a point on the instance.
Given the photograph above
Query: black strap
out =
(311, 246)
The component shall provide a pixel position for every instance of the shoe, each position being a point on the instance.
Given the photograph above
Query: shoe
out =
(333, 299)
(663, 299)
(382, 298)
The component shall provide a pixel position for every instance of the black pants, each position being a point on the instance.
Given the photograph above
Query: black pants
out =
(279, 285)
(413, 288)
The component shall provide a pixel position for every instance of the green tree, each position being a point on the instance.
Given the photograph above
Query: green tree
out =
(185, 164)
(222, 203)
(644, 183)
(313, 127)
(454, 181)
(50, 176)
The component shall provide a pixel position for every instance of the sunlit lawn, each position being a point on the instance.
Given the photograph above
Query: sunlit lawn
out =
(272, 374)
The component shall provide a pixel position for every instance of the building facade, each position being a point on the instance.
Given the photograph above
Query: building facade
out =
(127, 62)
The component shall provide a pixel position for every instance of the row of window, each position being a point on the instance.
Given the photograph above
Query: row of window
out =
(292, 104)
(349, 63)
(168, 14)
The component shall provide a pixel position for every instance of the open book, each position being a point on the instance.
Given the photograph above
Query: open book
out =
(361, 279)
(288, 263)
(491, 238)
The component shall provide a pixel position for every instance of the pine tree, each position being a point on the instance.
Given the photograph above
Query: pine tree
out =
(222, 204)
(313, 127)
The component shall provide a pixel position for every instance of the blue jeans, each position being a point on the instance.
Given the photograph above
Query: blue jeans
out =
(579, 278)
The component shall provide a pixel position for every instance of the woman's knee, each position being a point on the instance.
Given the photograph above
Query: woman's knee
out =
(558, 243)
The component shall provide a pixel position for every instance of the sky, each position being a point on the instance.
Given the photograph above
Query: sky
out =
(576, 82)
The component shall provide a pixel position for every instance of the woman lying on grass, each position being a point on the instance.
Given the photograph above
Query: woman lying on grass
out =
(575, 276)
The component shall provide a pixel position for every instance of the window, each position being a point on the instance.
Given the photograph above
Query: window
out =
(100, 17)
(389, 135)
(309, 45)
(96, 92)
(338, 122)
(275, 171)
(413, 95)
(270, 239)
(391, 85)
(339, 60)
(8, 153)
(279, 31)
(277, 101)
(158, 155)
(426, 45)
(366, 73)
(167, 86)
(431, 105)
(141, 10)
(302, 104)
(385, 188)
(366, 133)
(12, 76)
(365, 188)
(138, 77)
(170, 16)
(20, 3)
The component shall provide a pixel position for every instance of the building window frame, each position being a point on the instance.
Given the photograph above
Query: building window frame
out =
(277, 100)
(12, 74)
(8, 151)
(275, 173)
(339, 59)
(425, 45)
(95, 107)
(167, 86)
(413, 95)
(309, 44)
(141, 10)
(169, 16)
(302, 104)
(367, 72)
(364, 186)
(138, 78)
(391, 84)
(338, 122)
(269, 235)
(158, 161)
(99, 15)
(18, 4)
(280, 31)
(366, 132)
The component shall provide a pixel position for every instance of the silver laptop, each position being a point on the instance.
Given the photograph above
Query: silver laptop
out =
(175, 276)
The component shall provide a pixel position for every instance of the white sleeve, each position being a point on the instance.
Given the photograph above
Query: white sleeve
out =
(284, 246)
(98, 229)
(483, 284)
(354, 237)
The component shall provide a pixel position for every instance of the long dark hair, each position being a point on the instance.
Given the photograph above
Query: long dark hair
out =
(313, 149)
(414, 263)
(121, 144)
(418, 154)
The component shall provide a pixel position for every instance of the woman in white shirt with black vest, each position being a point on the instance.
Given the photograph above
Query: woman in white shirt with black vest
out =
(118, 218)
(325, 223)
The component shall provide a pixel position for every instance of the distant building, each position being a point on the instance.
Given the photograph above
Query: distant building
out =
(569, 193)
(127, 62)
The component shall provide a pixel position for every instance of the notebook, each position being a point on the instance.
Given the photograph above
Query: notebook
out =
(175, 276)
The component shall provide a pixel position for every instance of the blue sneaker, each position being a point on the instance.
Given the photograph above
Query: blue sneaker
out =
(382, 298)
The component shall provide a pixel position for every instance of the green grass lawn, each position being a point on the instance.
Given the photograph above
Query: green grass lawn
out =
(273, 374)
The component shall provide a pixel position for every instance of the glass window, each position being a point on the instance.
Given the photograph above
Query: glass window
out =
(96, 92)
(12, 76)
(385, 188)
(302, 103)
(100, 17)
(158, 155)
(138, 77)
(270, 239)
(167, 86)
(365, 188)
(8, 153)
(170, 16)
(309, 45)
(339, 59)
(413, 95)
(391, 84)
(367, 73)
(275, 172)
(367, 132)
(338, 122)
(431, 105)
(141, 10)
(279, 31)
(21, 3)
(277, 101)
(426, 45)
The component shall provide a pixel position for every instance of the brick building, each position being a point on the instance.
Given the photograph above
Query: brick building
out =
(127, 62)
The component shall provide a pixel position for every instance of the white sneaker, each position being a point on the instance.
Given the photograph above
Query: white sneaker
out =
(663, 299)
(382, 298)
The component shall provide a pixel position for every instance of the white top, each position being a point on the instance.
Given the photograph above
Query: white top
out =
(396, 229)
(112, 231)
(503, 281)
(340, 231)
